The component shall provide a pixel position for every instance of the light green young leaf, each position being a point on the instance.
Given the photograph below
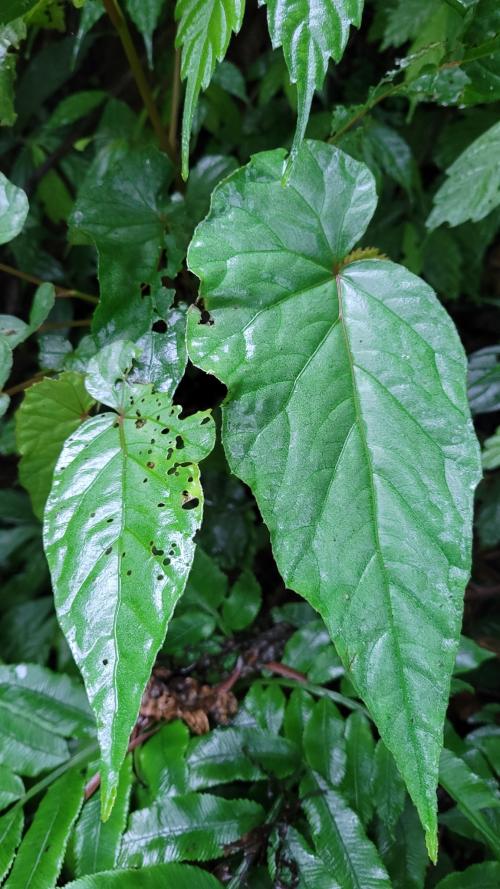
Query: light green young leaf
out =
(324, 742)
(50, 411)
(40, 856)
(473, 795)
(168, 876)
(11, 787)
(204, 31)
(479, 876)
(119, 525)
(145, 15)
(311, 33)
(11, 828)
(360, 748)
(38, 709)
(97, 844)
(339, 838)
(491, 451)
(356, 363)
(472, 187)
(13, 209)
(193, 827)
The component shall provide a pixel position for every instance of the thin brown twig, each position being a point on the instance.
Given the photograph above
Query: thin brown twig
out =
(119, 21)
(61, 325)
(60, 291)
(20, 387)
(95, 781)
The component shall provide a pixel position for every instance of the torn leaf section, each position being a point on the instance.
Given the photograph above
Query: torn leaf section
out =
(125, 505)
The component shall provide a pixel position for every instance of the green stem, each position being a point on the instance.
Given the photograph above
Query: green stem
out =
(117, 18)
(320, 692)
(81, 758)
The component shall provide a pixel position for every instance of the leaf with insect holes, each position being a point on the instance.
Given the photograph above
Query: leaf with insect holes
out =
(347, 416)
(311, 33)
(125, 505)
(204, 31)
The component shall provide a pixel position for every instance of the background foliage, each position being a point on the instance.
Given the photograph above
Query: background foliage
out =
(256, 757)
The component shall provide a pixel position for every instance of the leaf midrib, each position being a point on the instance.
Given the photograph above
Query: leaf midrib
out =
(378, 546)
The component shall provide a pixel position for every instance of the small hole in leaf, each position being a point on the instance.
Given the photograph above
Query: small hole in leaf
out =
(129, 573)
(161, 505)
(159, 326)
(105, 661)
(179, 442)
(108, 550)
(205, 317)
(191, 504)
(159, 577)
(144, 481)
(205, 421)
(139, 424)
(165, 431)
(157, 552)
(109, 521)
(166, 561)
(150, 464)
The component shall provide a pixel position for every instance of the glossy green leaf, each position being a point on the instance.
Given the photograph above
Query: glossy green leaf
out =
(11, 787)
(40, 856)
(195, 826)
(299, 708)
(472, 187)
(311, 33)
(470, 656)
(203, 32)
(11, 36)
(97, 843)
(339, 837)
(360, 747)
(404, 19)
(478, 876)
(119, 525)
(403, 849)
(161, 764)
(145, 15)
(324, 742)
(13, 209)
(484, 380)
(310, 651)
(474, 797)
(38, 709)
(221, 757)
(491, 451)
(121, 211)
(162, 354)
(50, 411)
(11, 828)
(387, 788)
(488, 516)
(168, 876)
(357, 364)
(314, 873)
(12, 9)
(243, 603)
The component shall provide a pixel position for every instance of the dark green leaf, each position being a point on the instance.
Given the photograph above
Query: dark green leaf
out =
(38, 709)
(97, 844)
(360, 748)
(403, 850)
(243, 603)
(11, 828)
(192, 827)
(145, 14)
(168, 876)
(50, 411)
(11, 36)
(40, 856)
(324, 742)
(12, 9)
(475, 798)
(387, 788)
(288, 318)
(485, 876)
(339, 838)
(11, 787)
(314, 873)
(484, 380)
(119, 525)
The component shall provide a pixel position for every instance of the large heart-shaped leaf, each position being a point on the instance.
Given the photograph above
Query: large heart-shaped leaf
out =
(311, 33)
(347, 416)
(125, 504)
